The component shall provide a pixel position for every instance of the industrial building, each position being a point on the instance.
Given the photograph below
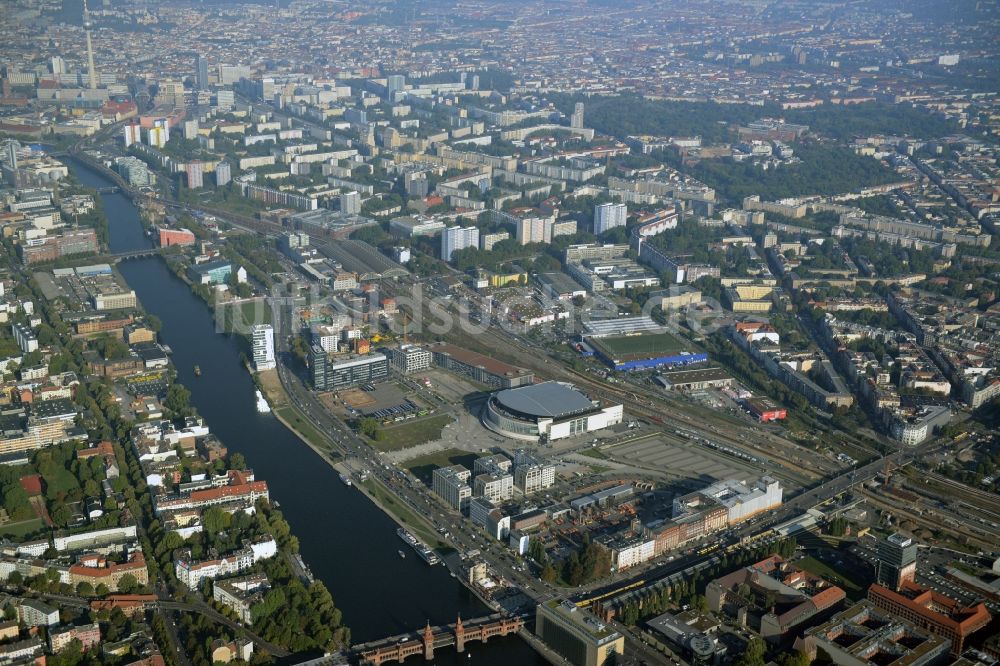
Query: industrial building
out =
(695, 379)
(546, 411)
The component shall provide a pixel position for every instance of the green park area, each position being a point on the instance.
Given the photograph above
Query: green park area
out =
(313, 437)
(403, 514)
(838, 577)
(407, 434)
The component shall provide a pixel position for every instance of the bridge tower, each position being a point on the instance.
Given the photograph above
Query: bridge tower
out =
(459, 635)
(428, 641)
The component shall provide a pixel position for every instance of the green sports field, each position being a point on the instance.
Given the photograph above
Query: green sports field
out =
(626, 347)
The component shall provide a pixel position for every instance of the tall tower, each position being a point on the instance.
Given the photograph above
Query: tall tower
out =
(90, 47)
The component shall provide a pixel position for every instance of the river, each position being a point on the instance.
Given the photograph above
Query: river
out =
(345, 539)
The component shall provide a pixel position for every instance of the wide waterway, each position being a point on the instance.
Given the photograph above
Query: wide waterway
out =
(345, 539)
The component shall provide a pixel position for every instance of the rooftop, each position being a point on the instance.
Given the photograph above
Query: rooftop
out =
(548, 399)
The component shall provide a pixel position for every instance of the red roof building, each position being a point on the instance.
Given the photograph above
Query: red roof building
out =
(938, 614)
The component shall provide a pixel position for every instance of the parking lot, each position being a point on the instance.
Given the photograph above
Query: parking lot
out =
(681, 459)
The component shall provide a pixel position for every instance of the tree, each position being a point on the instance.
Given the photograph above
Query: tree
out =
(753, 654)
(85, 589)
(797, 658)
(178, 399)
(127, 584)
(102, 589)
(237, 461)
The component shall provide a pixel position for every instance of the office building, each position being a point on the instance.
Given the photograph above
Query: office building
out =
(330, 374)
(350, 203)
(741, 500)
(201, 72)
(458, 238)
(577, 634)
(933, 612)
(195, 174)
(191, 128)
(532, 474)
(608, 216)
(262, 339)
(170, 237)
(223, 174)
(896, 561)
(576, 120)
(410, 358)
(452, 485)
(863, 634)
(172, 94)
(225, 99)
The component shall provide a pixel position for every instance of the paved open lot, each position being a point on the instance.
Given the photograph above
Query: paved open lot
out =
(681, 459)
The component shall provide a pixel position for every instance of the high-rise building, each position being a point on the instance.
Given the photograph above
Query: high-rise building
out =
(896, 561)
(191, 129)
(350, 203)
(12, 155)
(262, 338)
(58, 65)
(576, 120)
(195, 171)
(131, 134)
(608, 216)
(201, 72)
(534, 230)
(395, 83)
(91, 70)
(223, 174)
(458, 238)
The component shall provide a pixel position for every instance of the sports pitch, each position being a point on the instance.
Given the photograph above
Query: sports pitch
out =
(639, 346)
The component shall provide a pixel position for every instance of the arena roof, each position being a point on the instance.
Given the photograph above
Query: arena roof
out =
(545, 400)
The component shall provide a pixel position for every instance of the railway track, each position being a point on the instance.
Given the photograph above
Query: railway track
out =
(639, 402)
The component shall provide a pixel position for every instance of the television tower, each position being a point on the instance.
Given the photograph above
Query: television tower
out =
(90, 47)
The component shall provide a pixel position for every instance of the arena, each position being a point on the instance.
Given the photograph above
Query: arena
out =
(546, 412)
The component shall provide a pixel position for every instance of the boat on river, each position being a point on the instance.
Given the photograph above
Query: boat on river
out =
(262, 406)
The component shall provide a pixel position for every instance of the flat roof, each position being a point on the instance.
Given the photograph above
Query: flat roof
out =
(684, 376)
(548, 399)
(476, 359)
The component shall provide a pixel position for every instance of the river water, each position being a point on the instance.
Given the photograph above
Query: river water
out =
(345, 539)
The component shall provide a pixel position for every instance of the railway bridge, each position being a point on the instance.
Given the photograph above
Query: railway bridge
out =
(398, 648)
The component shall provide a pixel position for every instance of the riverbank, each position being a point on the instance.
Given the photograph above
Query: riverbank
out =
(349, 542)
